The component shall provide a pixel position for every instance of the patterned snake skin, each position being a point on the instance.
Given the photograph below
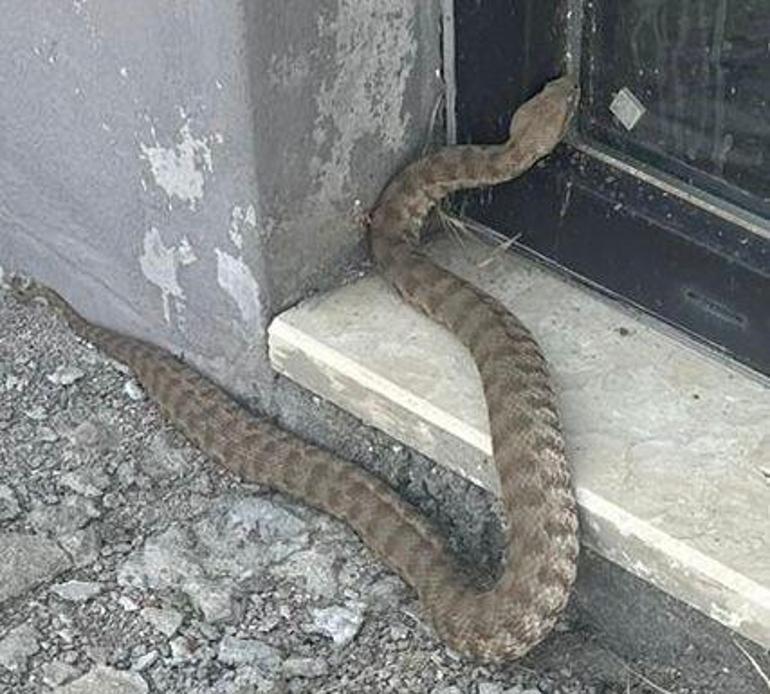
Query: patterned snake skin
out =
(499, 623)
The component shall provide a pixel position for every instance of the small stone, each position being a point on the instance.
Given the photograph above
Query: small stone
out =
(86, 482)
(66, 635)
(126, 473)
(213, 598)
(209, 632)
(489, 688)
(9, 505)
(305, 667)
(69, 657)
(57, 673)
(65, 375)
(247, 680)
(36, 413)
(120, 367)
(89, 434)
(98, 654)
(71, 514)
(182, 650)
(14, 383)
(113, 500)
(341, 624)
(234, 651)
(102, 679)
(316, 568)
(82, 545)
(77, 591)
(47, 435)
(167, 621)
(133, 390)
(398, 632)
(26, 561)
(145, 661)
(128, 604)
(163, 460)
(18, 645)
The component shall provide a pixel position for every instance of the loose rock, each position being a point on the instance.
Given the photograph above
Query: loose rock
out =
(305, 667)
(17, 646)
(145, 661)
(77, 591)
(71, 514)
(167, 621)
(183, 650)
(314, 567)
(234, 651)
(9, 506)
(89, 483)
(133, 390)
(103, 679)
(82, 545)
(341, 624)
(58, 672)
(65, 375)
(27, 560)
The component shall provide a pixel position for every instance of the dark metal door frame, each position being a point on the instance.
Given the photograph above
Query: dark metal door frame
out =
(672, 247)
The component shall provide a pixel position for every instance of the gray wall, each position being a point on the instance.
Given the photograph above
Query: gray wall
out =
(181, 170)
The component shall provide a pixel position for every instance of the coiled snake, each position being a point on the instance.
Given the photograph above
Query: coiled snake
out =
(506, 620)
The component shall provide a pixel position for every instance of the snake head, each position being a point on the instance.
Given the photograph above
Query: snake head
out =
(540, 123)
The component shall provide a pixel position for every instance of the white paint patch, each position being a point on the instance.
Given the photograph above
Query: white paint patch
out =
(185, 252)
(239, 218)
(160, 265)
(234, 276)
(180, 169)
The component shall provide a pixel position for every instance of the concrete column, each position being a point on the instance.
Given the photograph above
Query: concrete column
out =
(183, 170)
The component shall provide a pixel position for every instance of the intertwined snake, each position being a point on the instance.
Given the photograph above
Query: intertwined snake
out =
(498, 623)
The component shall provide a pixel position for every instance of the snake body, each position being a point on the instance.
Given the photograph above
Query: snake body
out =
(518, 611)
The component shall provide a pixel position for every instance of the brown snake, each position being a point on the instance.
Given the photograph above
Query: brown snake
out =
(506, 620)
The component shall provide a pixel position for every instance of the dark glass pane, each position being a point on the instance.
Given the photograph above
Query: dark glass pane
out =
(701, 71)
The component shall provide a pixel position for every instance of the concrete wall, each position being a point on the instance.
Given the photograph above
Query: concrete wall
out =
(182, 170)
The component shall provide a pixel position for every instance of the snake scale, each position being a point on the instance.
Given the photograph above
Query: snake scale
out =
(518, 611)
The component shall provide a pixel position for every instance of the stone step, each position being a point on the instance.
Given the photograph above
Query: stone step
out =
(669, 443)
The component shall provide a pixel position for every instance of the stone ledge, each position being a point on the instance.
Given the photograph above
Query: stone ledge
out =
(669, 446)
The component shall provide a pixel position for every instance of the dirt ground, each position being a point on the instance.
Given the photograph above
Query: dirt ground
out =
(130, 563)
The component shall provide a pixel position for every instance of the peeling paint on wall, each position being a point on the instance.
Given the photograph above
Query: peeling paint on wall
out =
(374, 59)
(180, 170)
(160, 265)
(234, 276)
(241, 217)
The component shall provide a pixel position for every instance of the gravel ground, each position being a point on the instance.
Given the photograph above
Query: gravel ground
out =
(129, 563)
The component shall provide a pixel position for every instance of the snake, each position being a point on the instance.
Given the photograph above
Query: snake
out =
(493, 623)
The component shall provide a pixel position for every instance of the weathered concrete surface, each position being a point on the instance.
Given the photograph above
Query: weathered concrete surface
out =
(669, 447)
(180, 169)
